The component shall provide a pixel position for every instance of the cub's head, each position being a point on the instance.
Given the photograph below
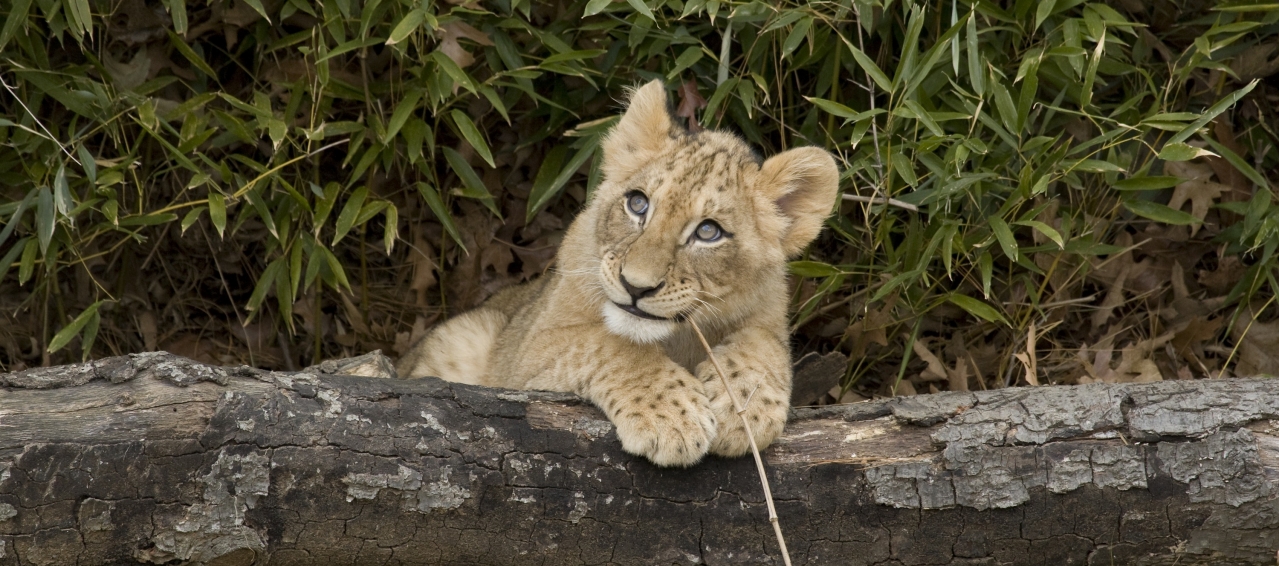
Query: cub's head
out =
(694, 225)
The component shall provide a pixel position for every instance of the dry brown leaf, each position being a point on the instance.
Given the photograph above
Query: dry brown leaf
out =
(958, 376)
(1030, 359)
(127, 76)
(147, 328)
(871, 328)
(936, 370)
(422, 256)
(1201, 194)
(191, 345)
(1257, 351)
(690, 101)
(1114, 297)
(849, 396)
(1135, 363)
(1196, 331)
(354, 315)
(1227, 274)
(1256, 62)
(449, 34)
(904, 388)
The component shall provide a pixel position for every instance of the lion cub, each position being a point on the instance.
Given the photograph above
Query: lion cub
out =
(684, 226)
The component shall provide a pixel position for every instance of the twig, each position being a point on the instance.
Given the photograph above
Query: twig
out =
(882, 200)
(759, 462)
(49, 135)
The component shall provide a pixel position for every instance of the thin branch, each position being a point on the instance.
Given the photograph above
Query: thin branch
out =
(882, 200)
(49, 134)
(759, 462)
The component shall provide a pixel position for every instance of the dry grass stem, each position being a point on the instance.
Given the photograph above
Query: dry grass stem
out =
(882, 200)
(759, 462)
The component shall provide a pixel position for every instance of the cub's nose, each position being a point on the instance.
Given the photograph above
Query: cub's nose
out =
(638, 293)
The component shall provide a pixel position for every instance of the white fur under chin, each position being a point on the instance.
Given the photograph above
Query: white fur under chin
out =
(634, 328)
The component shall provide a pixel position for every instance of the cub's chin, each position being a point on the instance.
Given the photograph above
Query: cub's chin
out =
(634, 327)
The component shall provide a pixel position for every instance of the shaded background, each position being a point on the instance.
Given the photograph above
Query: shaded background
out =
(1080, 190)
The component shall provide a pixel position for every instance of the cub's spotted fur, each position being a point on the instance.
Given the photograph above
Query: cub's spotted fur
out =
(683, 226)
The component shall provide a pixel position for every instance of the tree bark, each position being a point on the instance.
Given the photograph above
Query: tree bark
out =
(154, 458)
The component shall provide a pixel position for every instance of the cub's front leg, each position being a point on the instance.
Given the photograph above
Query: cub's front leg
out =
(757, 366)
(660, 410)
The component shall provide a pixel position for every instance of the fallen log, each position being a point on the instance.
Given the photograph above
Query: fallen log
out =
(154, 458)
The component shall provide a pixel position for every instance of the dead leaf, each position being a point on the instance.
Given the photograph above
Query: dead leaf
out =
(1201, 194)
(904, 388)
(872, 328)
(936, 370)
(422, 256)
(127, 76)
(690, 101)
(1030, 359)
(1135, 363)
(1256, 345)
(1256, 62)
(449, 34)
(1230, 270)
(354, 315)
(191, 345)
(849, 396)
(1114, 297)
(147, 328)
(1196, 331)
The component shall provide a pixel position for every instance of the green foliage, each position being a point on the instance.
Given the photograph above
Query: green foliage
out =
(991, 152)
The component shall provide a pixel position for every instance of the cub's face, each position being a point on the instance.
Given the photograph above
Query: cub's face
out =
(694, 225)
(679, 237)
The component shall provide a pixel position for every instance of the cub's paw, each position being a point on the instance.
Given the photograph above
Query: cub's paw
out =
(674, 431)
(765, 410)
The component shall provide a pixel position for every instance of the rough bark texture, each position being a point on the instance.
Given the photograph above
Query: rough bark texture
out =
(156, 459)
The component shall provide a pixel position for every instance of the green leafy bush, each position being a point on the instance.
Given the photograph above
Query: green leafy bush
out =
(275, 181)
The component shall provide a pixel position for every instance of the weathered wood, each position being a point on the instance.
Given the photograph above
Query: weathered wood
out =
(157, 459)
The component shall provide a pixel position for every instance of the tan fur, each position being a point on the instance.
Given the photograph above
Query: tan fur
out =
(565, 332)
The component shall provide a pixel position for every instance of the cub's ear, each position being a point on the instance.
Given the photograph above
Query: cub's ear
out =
(640, 135)
(802, 184)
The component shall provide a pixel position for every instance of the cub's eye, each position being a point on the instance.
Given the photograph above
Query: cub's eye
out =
(637, 203)
(708, 231)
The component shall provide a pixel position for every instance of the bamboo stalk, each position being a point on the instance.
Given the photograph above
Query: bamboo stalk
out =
(759, 462)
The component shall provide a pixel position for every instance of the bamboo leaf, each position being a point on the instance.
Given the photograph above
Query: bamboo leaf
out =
(68, 332)
(1004, 236)
(265, 283)
(191, 217)
(18, 16)
(442, 213)
(869, 66)
(1160, 213)
(406, 26)
(977, 308)
(1211, 113)
(44, 218)
(402, 113)
(257, 6)
(472, 186)
(27, 264)
(346, 219)
(813, 269)
(1178, 151)
(190, 54)
(642, 8)
(1144, 183)
(217, 212)
(472, 135)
